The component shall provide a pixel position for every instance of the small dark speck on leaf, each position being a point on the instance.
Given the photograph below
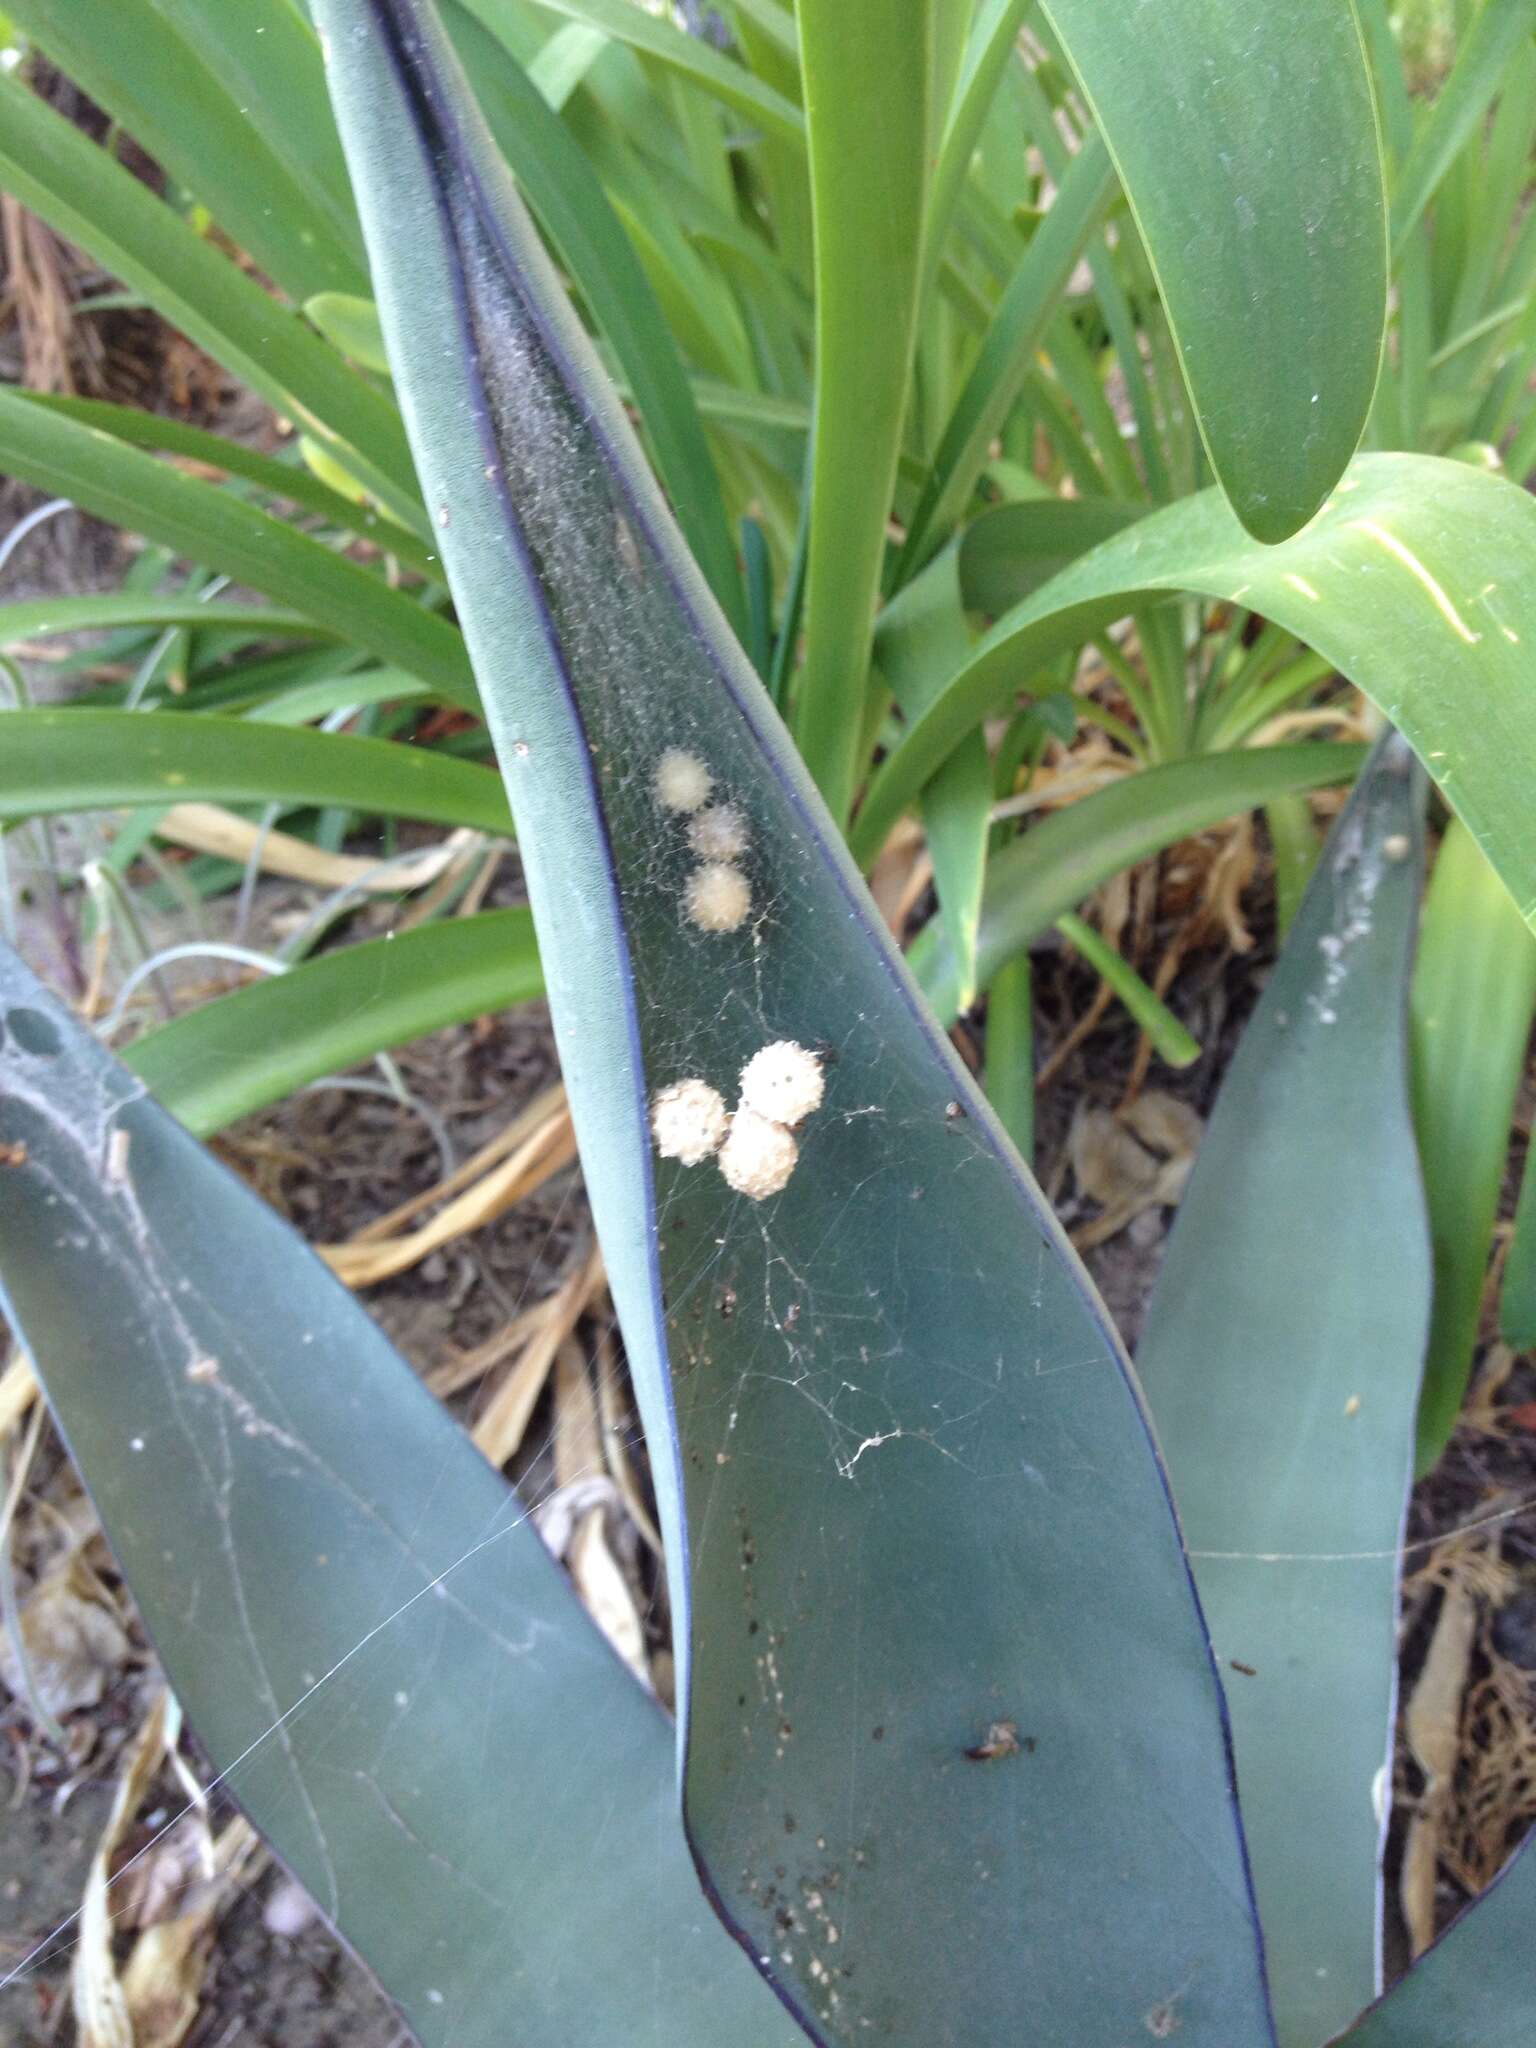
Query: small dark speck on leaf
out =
(877, 1734)
(1248, 1670)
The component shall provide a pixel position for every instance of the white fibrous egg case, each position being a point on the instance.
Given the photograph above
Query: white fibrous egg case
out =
(758, 1155)
(717, 897)
(688, 1121)
(783, 1082)
(720, 833)
(682, 782)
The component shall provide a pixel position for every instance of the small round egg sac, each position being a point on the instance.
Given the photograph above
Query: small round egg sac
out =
(688, 1121)
(758, 1156)
(783, 1082)
(681, 781)
(719, 833)
(717, 897)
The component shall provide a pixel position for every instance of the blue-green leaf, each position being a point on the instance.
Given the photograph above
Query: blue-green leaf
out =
(931, 1609)
(1281, 1356)
(352, 1607)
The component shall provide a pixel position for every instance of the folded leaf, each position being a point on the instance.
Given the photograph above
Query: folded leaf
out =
(941, 1680)
(1245, 138)
(1418, 581)
(1281, 1357)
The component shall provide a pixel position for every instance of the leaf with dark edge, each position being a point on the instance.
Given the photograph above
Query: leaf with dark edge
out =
(385, 1665)
(947, 1710)
(1476, 1988)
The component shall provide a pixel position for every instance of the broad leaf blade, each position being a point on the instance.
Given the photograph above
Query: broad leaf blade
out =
(1476, 1988)
(906, 1484)
(1473, 996)
(563, 189)
(350, 1604)
(1246, 140)
(1059, 862)
(869, 179)
(105, 476)
(78, 759)
(1418, 582)
(122, 52)
(83, 192)
(1281, 1357)
(253, 1047)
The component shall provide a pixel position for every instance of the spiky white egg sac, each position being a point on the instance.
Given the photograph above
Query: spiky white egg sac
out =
(717, 897)
(783, 1082)
(688, 1121)
(720, 833)
(682, 782)
(758, 1156)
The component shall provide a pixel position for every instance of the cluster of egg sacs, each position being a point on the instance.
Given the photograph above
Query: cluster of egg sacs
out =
(718, 896)
(781, 1086)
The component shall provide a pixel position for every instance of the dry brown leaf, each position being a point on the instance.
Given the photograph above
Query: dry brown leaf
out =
(1230, 873)
(1115, 1169)
(1109, 1164)
(1432, 1727)
(75, 1643)
(100, 2007)
(529, 1119)
(502, 1426)
(209, 828)
(1166, 1123)
(614, 1448)
(890, 877)
(18, 1390)
(461, 1369)
(578, 1435)
(162, 1980)
(364, 1262)
(605, 1591)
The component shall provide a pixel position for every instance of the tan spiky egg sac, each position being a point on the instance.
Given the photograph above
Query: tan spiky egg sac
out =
(720, 833)
(758, 1156)
(717, 897)
(681, 782)
(688, 1121)
(783, 1082)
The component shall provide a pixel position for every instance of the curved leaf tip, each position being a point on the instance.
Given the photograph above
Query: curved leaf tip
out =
(1247, 143)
